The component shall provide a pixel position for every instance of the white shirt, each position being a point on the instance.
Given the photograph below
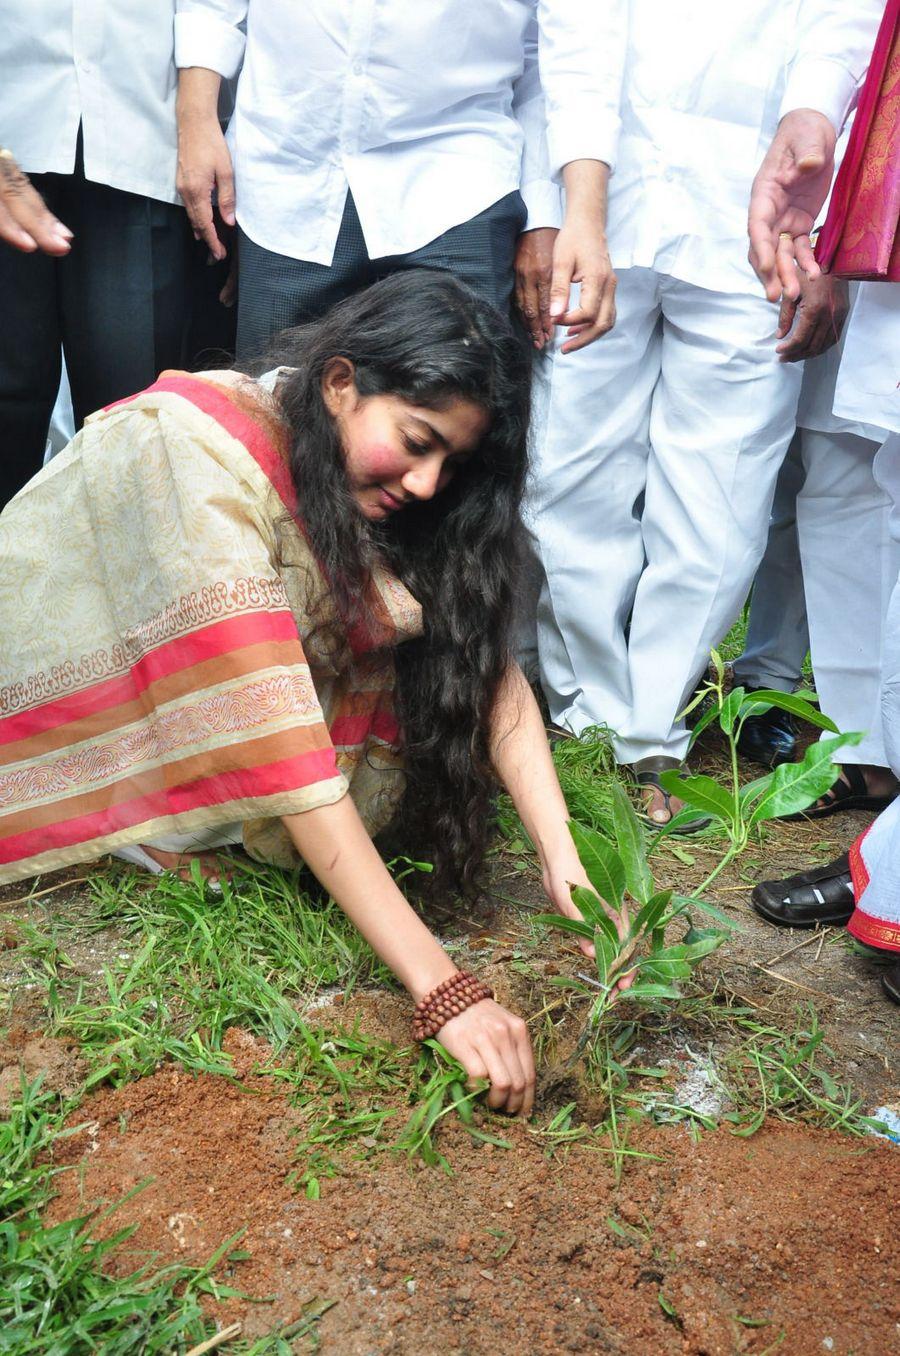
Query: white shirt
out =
(107, 65)
(705, 85)
(868, 384)
(408, 103)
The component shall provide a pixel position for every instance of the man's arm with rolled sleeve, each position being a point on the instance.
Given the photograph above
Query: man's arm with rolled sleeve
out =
(571, 121)
(833, 44)
(209, 47)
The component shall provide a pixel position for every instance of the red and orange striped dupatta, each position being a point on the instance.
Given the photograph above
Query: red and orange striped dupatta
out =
(154, 590)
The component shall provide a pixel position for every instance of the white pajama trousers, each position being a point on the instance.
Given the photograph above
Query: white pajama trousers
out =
(850, 566)
(877, 917)
(657, 450)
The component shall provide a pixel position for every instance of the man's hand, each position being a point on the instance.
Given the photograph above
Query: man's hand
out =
(548, 262)
(204, 161)
(26, 222)
(815, 320)
(580, 256)
(789, 189)
(534, 270)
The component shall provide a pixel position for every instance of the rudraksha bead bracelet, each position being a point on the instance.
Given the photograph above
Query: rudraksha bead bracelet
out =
(451, 997)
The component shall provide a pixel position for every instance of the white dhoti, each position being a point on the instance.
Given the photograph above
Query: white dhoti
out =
(655, 466)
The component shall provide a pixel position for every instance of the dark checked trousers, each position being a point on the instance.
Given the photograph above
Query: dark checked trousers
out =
(275, 292)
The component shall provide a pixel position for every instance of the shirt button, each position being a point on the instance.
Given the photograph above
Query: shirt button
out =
(357, 68)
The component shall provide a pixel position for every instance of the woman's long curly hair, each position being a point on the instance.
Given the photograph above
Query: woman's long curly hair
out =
(425, 337)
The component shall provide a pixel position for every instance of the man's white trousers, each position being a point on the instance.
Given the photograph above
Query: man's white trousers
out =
(657, 450)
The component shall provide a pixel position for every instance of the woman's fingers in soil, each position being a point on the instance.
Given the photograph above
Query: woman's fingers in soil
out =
(494, 1044)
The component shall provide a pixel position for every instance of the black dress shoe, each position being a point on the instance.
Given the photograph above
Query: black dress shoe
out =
(769, 739)
(821, 897)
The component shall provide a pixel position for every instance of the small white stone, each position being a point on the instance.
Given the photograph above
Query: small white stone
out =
(701, 1242)
(288, 1233)
(828, 1343)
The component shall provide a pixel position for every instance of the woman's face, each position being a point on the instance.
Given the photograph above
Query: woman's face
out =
(397, 453)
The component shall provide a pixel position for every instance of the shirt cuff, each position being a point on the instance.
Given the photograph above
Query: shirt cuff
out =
(584, 133)
(542, 203)
(201, 40)
(823, 85)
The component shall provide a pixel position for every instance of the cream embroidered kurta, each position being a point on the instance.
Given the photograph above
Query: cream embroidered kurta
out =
(164, 666)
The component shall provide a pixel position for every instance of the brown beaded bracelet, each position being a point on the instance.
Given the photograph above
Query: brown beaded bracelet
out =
(451, 997)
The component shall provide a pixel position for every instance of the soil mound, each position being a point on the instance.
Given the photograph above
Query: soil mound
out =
(720, 1246)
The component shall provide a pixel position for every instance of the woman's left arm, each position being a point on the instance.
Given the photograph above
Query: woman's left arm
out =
(521, 757)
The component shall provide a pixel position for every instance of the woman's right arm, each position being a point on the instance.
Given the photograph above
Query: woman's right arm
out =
(486, 1039)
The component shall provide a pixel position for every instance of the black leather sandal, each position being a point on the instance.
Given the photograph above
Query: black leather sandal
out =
(821, 897)
(647, 773)
(890, 982)
(848, 793)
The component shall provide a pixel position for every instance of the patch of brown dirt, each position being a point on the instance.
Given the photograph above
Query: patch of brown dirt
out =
(789, 1230)
(24, 1054)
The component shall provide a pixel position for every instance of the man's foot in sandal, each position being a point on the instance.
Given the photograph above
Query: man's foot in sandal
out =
(660, 806)
(861, 786)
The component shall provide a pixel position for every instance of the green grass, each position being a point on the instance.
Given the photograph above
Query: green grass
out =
(55, 1298)
(251, 956)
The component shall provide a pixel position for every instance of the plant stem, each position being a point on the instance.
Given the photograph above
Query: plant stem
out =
(728, 857)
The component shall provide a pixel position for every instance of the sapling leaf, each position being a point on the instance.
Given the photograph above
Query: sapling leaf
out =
(795, 786)
(719, 667)
(605, 955)
(706, 719)
(591, 906)
(649, 914)
(702, 941)
(602, 864)
(687, 815)
(707, 690)
(558, 920)
(566, 982)
(731, 708)
(631, 846)
(754, 789)
(701, 793)
(797, 705)
(664, 966)
(648, 991)
(695, 902)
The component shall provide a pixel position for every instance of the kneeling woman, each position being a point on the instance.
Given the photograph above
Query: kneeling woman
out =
(277, 611)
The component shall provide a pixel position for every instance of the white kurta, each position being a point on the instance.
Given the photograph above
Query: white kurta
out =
(660, 444)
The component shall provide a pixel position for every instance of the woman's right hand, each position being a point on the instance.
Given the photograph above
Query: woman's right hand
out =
(491, 1043)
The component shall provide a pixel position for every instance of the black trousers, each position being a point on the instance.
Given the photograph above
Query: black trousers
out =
(117, 305)
(275, 291)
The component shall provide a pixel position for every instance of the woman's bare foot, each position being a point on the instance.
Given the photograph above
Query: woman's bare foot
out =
(211, 867)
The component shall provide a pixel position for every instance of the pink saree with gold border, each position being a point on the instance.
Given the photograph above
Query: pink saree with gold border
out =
(859, 238)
